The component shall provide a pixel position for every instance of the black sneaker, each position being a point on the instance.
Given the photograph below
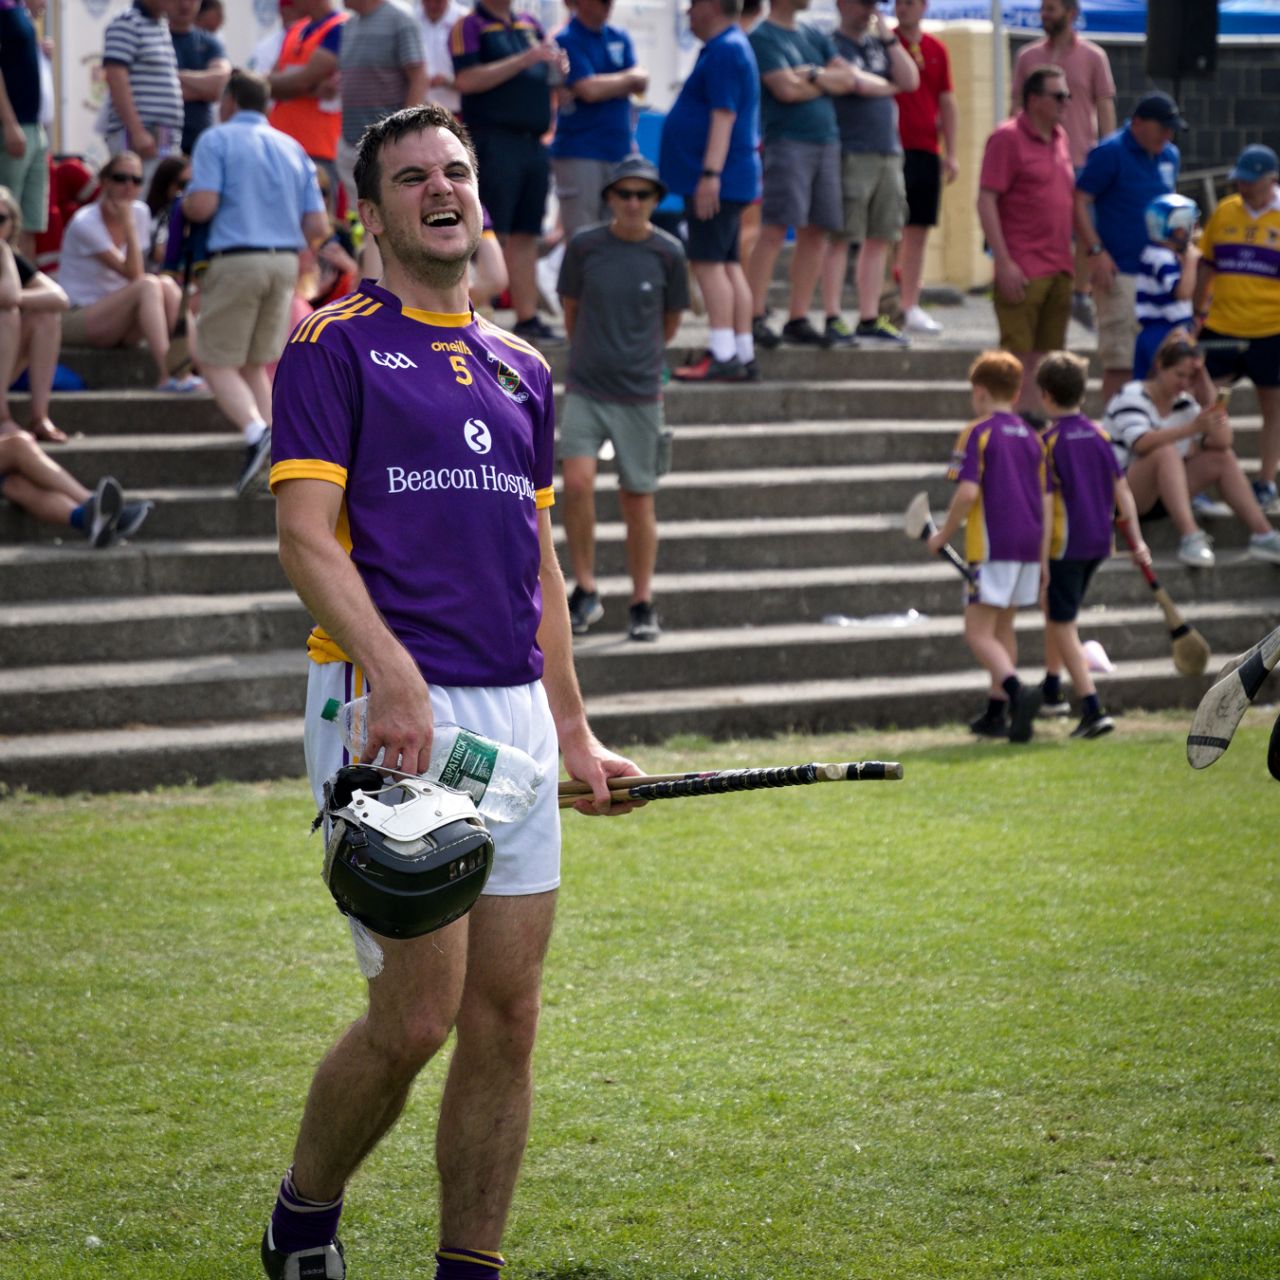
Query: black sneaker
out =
(642, 622)
(104, 513)
(762, 335)
(801, 332)
(256, 457)
(324, 1263)
(1022, 713)
(989, 726)
(584, 609)
(751, 370)
(132, 516)
(535, 329)
(837, 333)
(709, 369)
(880, 330)
(1093, 726)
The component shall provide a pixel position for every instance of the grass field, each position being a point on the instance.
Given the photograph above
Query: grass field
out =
(1015, 1016)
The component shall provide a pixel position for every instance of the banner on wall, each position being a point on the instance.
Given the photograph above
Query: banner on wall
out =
(1112, 17)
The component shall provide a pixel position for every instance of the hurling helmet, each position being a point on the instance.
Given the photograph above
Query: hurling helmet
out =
(1170, 217)
(404, 856)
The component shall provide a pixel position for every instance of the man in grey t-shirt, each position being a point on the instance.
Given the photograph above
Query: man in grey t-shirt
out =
(623, 286)
(383, 69)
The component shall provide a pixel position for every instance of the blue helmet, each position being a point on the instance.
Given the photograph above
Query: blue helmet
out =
(1171, 217)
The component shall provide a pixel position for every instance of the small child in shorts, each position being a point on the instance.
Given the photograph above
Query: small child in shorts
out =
(1002, 502)
(1086, 485)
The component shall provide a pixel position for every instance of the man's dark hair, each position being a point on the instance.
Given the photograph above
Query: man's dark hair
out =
(734, 8)
(1063, 376)
(249, 91)
(1176, 352)
(207, 5)
(368, 169)
(1036, 78)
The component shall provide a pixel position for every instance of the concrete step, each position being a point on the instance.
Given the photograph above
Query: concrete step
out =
(138, 628)
(271, 746)
(763, 655)
(129, 411)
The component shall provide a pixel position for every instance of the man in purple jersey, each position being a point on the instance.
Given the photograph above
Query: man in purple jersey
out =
(413, 477)
(1001, 501)
(1086, 485)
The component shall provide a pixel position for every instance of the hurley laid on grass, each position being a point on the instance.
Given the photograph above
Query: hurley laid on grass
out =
(1014, 1016)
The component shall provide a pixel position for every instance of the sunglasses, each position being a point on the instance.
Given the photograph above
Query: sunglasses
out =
(634, 193)
(133, 178)
(4, 218)
(1061, 96)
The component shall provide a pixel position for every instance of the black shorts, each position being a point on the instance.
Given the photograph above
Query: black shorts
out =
(515, 176)
(714, 239)
(1068, 581)
(922, 172)
(1257, 359)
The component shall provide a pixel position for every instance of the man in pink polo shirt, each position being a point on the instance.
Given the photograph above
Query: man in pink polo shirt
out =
(1091, 113)
(1025, 204)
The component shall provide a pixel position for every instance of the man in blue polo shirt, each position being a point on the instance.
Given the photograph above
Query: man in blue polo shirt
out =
(1121, 176)
(593, 122)
(258, 190)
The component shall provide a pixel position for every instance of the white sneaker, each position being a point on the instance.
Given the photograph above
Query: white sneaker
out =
(1194, 550)
(919, 320)
(1265, 546)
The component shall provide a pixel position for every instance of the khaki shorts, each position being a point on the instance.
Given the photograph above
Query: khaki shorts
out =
(1117, 322)
(579, 182)
(27, 178)
(1039, 321)
(245, 303)
(875, 196)
(75, 332)
(641, 444)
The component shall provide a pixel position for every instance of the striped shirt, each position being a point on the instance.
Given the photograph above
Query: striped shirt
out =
(1131, 413)
(142, 45)
(1157, 286)
(377, 51)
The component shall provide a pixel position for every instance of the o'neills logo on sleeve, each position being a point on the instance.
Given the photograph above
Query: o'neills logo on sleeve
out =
(484, 479)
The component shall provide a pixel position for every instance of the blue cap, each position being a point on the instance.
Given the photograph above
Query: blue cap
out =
(1159, 106)
(1255, 162)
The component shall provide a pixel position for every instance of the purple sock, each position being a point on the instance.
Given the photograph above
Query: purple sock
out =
(468, 1264)
(298, 1223)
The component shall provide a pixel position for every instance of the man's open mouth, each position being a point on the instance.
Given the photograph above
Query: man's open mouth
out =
(442, 218)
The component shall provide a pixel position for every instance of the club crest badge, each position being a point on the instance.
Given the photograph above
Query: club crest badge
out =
(508, 379)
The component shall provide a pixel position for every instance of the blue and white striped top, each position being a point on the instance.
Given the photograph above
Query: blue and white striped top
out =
(1156, 287)
(142, 44)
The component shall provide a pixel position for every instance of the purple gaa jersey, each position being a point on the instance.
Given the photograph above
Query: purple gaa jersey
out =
(440, 430)
(1003, 457)
(1082, 473)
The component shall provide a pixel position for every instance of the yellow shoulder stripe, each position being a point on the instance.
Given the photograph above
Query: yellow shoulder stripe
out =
(510, 339)
(312, 327)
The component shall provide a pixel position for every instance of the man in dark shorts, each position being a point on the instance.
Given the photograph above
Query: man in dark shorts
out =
(710, 155)
(504, 67)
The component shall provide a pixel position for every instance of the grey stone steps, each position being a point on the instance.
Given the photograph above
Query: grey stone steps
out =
(242, 685)
(271, 746)
(129, 410)
(171, 625)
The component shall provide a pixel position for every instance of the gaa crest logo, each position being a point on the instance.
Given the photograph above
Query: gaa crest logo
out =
(508, 379)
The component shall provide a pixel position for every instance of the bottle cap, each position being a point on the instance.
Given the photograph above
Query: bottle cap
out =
(331, 709)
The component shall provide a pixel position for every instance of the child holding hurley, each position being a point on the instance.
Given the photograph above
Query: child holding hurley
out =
(1002, 502)
(1086, 485)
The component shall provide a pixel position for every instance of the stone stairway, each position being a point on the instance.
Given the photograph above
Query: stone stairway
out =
(180, 656)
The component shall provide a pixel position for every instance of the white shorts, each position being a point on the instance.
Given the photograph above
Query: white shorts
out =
(1004, 584)
(526, 853)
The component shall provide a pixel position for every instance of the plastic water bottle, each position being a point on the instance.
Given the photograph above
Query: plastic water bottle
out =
(501, 779)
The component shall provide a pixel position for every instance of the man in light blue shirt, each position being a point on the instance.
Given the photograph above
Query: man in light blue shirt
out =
(257, 189)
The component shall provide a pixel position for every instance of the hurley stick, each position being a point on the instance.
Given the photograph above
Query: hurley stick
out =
(918, 525)
(1223, 707)
(1190, 648)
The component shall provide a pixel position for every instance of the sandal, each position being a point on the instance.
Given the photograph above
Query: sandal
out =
(47, 433)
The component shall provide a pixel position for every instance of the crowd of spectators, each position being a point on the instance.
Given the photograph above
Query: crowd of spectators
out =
(845, 140)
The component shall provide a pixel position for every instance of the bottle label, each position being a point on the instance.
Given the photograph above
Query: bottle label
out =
(470, 764)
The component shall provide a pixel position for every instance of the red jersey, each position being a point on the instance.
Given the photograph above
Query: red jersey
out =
(918, 110)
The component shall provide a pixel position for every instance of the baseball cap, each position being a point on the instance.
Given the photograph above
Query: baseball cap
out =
(1255, 162)
(1159, 106)
(636, 167)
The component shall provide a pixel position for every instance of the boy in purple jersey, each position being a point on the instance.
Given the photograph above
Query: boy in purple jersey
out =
(413, 481)
(1001, 500)
(1086, 485)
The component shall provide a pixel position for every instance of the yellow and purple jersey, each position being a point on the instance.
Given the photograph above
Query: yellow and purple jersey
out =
(1244, 249)
(439, 429)
(1082, 471)
(1003, 457)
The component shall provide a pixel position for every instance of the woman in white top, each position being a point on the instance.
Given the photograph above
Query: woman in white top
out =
(31, 310)
(114, 302)
(1173, 448)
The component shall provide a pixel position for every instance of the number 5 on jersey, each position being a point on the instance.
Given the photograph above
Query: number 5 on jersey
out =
(461, 373)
